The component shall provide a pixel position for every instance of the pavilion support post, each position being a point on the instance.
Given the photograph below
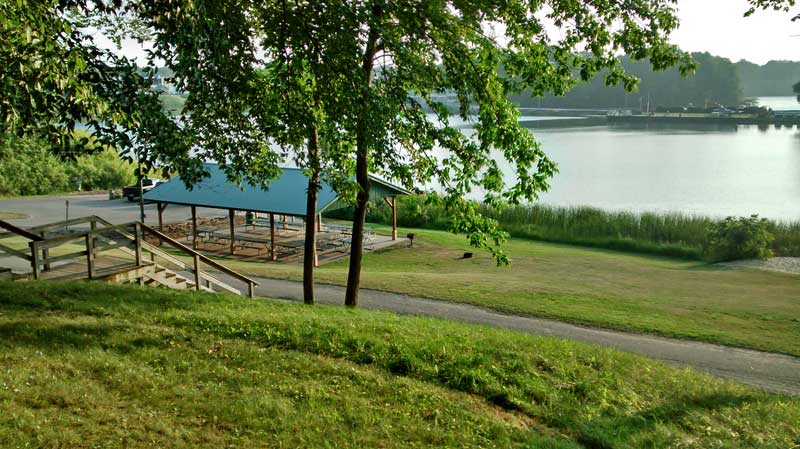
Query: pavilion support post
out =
(160, 207)
(319, 222)
(231, 219)
(394, 218)
(272, 254)
(194, 227)
(316, 254)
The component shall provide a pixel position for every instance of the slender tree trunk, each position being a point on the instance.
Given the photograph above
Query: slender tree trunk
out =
(362, 175)
(310, 250)
(360, 215)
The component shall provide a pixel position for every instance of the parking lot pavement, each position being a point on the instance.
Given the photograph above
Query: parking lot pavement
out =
(41, 210)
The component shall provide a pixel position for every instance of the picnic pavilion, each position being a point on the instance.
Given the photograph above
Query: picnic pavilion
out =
(274, 215)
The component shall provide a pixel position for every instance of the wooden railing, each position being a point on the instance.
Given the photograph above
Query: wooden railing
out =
(15, 231)
(95, 240)
(128, 238)
(197, 259)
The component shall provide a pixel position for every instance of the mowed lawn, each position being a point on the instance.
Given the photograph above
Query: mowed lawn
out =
(89, 365)
(671, 297)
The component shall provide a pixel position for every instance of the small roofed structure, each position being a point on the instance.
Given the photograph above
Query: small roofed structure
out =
(283, 197)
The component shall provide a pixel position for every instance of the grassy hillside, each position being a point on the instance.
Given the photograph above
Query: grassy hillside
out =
(92, 365)
(672, 297)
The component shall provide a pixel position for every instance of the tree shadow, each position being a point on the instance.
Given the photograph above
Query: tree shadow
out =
(95, 299)
(704, 266)
(618, 431)
(40, 336)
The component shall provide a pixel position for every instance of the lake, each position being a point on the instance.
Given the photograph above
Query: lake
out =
(715, 171)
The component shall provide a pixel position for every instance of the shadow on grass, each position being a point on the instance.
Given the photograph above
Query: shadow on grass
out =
(621, 431)
(117, 337)
(705, 266)
(94, 299)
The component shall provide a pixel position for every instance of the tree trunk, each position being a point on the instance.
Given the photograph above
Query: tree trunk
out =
(362, 173)
(360, 215)
(310, 249)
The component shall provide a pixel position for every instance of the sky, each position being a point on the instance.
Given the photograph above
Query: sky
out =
(720, 28)
(716, 26)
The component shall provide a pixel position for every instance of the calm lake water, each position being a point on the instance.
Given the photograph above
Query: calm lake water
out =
(716, 171)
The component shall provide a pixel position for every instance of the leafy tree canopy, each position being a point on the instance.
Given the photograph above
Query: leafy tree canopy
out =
(383, 63)
(53, 77)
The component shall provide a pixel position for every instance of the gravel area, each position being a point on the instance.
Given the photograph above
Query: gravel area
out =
(781, 264)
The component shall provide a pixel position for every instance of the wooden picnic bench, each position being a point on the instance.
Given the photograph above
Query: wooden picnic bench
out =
(242, 239)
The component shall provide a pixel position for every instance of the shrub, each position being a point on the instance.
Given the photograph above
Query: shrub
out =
(739, 238)
(27, 167)
(101, 170)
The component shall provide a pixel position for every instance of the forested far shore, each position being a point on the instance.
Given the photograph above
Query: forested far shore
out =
(717, 81)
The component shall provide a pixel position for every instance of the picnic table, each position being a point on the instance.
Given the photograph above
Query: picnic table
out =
(250, 240)
(348, 231)
(260, 222)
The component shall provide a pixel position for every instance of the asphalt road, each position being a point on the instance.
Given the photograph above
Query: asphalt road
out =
(773, 372)
(42, 210)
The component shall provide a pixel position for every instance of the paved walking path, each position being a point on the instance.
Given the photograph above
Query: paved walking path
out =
(773, 372)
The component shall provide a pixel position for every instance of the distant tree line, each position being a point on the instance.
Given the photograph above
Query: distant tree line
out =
(717, 81)
(774, 78)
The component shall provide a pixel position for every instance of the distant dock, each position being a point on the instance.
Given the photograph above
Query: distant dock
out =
(778, 118)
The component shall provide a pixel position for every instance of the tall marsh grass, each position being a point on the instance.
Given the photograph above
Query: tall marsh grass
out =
(667, 234)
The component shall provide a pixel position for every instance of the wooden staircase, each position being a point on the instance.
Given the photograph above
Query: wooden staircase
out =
(94, 249)
(158, 276)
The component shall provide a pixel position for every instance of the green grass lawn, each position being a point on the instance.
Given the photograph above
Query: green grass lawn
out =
(12, 216)
(95, 365)
(672, 297)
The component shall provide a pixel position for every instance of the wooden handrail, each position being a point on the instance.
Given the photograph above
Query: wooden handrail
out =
(39, 243)
(157, 252)
(205, 276)
(202, 257)
(19, 231)
(64, 223)
(56, 241)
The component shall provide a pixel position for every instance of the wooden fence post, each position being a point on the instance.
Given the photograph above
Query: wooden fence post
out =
(34, 260)
(137, 235)
(45, 255)
(90, 255)
(197, 285)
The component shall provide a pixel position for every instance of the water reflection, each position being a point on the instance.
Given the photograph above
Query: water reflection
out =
(671, 128)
